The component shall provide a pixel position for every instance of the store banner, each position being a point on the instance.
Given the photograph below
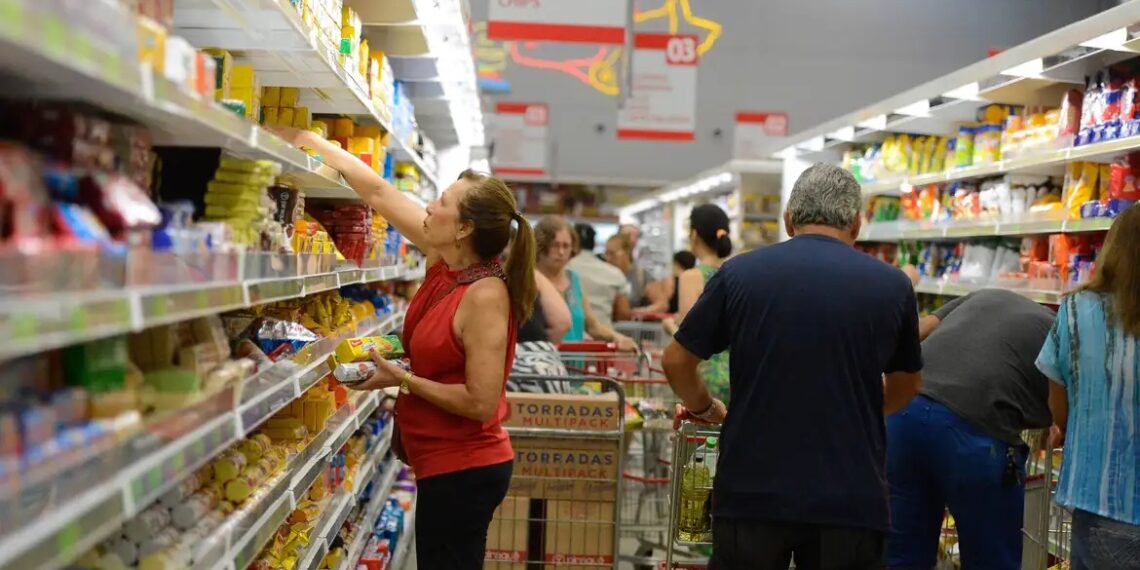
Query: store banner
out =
(662, 104)
(755, 131)
(584, 21)
(520, 134)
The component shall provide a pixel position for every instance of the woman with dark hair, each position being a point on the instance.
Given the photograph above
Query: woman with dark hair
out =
(664, 295)
(711, 245)
(459, 333)
(1092, 356)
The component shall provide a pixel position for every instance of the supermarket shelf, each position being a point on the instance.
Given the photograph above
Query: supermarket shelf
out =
(69, 67)
(383, 487)
(36, 323)
(961, 289)
(1031, 73)
(1050, 162)
(400, 556)
(86, 515)
(342, 504)
(895, 231)
(271, 36)
(759, 217)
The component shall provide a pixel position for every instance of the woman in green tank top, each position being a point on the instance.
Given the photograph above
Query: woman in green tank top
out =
(710, 243)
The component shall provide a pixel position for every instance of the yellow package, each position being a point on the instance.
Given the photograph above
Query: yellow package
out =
(343, 128)
(289, 96)
(1105, 177)
(152, 44)
(244, 77)
(359, 349)
(271, 96)
(285, 116)
(269, 115)
(302, 118)
(1083, 190)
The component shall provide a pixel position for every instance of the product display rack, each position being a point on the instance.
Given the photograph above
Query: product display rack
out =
(1036, 73)
(139, 470)
(407, 540)
(41, 322)
(383, 481)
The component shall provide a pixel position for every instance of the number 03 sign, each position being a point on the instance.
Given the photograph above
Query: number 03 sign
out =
(663, 99)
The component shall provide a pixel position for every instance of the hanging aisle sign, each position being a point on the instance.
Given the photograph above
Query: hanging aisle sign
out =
(662, 104)
(519, 132)
(755, 130)
(586, 21)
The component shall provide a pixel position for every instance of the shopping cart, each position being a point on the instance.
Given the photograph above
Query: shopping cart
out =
(689, 540)
(1048, 527)
(644, 508)
(562, 507)
(646, 330)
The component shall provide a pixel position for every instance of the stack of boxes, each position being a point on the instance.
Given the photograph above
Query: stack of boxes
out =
(367, 143)
(280, 107)
(381, 86)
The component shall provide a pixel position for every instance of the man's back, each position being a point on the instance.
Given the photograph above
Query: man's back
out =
(979, 362)
(812, 325)
(602, 282)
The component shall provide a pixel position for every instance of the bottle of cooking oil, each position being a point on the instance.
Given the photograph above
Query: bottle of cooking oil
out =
(693, 525)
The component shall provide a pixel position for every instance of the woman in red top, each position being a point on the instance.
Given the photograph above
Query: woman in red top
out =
(459, 333)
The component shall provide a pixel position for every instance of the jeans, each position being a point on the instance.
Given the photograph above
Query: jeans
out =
(759, 545)
(1100, 542)
(453, 512)
(936, 460)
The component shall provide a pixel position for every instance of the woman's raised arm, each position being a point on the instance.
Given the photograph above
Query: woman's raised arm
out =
(379, 194)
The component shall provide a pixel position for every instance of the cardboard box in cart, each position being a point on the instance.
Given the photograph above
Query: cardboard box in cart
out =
(508, 535)
(579, 535)
(549, 468)
(563, 411)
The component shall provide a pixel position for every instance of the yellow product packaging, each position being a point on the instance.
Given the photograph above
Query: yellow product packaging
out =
(1105, 180)
(244, 77)
(255, 447)
(265, 167)
(285, 116)
(152, 44)
(289, 96)
(241, 487)
(1083, 190)
(271, 96)
(302, 118)
(343, 128)
(269, 114)
(228, 465)
(359, 349)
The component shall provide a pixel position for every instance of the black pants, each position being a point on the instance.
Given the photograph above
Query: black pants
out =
(753, 545)
(453, 512)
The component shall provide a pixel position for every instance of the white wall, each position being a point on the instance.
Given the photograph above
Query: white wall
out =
(814, 59)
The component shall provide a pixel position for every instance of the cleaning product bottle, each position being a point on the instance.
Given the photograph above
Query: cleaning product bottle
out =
(695, 486)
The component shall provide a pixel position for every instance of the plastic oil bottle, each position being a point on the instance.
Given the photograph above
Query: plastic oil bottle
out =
(695, 485)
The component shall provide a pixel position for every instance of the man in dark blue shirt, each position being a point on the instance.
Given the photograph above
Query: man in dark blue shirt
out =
(824, 342)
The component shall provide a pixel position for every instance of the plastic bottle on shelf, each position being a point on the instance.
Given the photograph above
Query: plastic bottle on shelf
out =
(695, 485)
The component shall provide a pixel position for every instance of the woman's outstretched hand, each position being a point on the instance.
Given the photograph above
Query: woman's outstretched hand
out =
(294, 136)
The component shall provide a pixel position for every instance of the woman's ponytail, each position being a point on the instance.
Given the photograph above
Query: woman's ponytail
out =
(520, 270)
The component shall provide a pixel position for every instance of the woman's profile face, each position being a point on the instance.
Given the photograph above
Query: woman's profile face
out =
(442, 224)
(558, 254)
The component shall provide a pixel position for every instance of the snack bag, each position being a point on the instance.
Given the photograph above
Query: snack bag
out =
(358, 349)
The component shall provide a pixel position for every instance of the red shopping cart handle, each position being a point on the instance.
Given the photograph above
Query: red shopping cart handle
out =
(588, 346)
(650, 317)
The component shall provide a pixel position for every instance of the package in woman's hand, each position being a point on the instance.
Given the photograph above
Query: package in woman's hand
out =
(360, 349)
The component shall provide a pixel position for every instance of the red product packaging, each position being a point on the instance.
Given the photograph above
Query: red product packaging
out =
(23, 200)
(120, 204)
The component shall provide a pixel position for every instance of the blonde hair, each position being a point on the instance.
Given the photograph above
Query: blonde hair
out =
(1117, 273)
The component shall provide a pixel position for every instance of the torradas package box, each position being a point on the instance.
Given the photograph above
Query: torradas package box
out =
(564, 411)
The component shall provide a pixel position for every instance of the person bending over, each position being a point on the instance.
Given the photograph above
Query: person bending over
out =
(958, 444)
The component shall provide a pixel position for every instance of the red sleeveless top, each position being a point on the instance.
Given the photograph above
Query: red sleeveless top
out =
(435, 440)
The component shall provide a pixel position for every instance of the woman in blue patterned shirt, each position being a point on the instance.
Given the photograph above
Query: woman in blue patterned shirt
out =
(1092, 354)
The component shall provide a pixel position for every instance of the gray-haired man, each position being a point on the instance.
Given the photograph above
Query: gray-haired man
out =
(824, 342)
